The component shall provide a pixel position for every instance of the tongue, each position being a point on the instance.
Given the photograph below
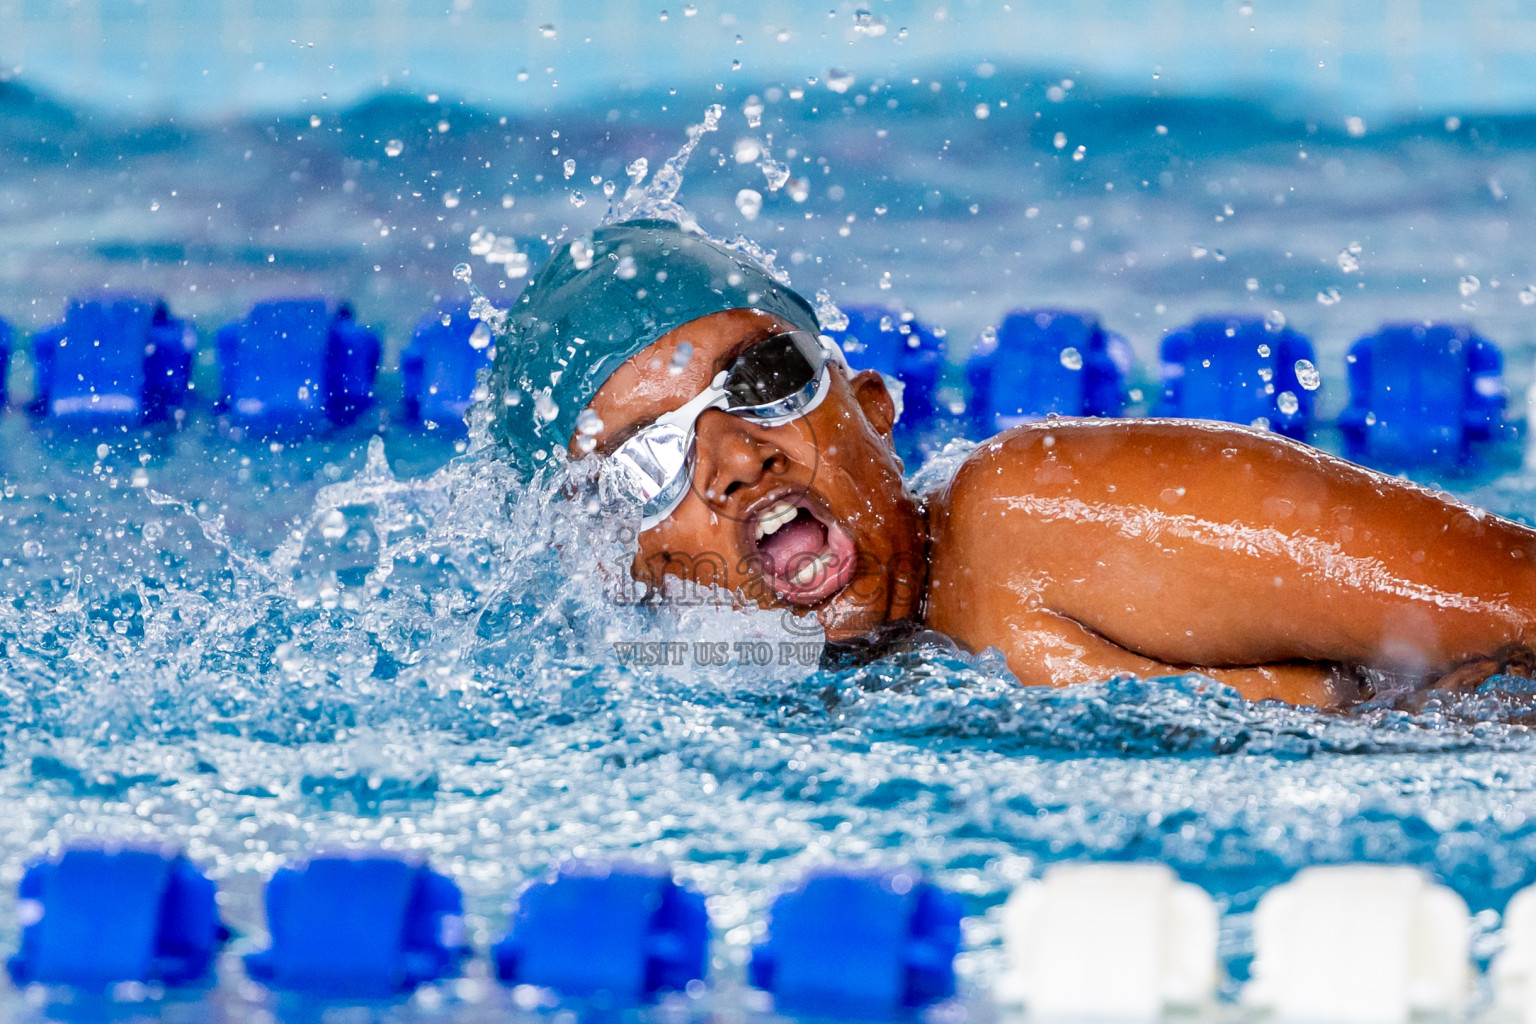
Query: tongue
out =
(794, 544)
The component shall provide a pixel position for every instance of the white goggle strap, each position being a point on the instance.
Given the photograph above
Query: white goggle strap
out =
(687, 414)
(834, 352)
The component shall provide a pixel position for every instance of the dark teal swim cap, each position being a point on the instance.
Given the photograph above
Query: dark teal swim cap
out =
(597, 302)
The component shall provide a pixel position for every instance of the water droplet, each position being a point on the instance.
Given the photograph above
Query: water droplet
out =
(442, 127)
(983, 111)
(578, 199)
(314, 120)
(885, 281)
(545, 407)
(1355, 126)
(1307, 375)
(1347, 262)
(1274, 321)
(446, 319)
(1469, 285)
(1528, 295)
(681, 356)
(1263, 350)
(32, 548)
(753, 111)
(547, 31)
(450, 199)
(626, 268)
(637, 169)
(1060, 140)
(506, 202)
(1079, 153)
(750, 202)
(1071, 358)
(154, 206)
(463, 272)
(570, 167)
(589, 423)
(333, 526)
(839, 81)
(747, 150)
(394, 147)
(798, 189)
(689, 10)
(480, 337)
(581, 255)
(140, 477)
(867, 23)
(1287, 403)
(828, 314)
(1329, 297)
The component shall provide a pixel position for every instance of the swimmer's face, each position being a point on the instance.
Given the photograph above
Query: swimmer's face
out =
(811, 514)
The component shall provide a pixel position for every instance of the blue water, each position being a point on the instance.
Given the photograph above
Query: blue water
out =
(256, 650)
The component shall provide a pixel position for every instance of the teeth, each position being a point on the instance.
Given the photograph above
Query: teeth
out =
(775, 517)
(812, 569)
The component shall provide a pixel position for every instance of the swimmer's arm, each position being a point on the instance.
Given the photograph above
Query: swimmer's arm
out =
(1046, 649)
(1188, 544)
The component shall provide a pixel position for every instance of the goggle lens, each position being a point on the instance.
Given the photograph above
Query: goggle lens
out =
(777, 380)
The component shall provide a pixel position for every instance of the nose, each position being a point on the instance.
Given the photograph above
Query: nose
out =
(734, 455)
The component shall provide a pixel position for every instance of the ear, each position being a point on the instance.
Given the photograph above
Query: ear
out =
(875, 401)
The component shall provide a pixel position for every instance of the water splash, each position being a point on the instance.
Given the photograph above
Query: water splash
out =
(659, 198)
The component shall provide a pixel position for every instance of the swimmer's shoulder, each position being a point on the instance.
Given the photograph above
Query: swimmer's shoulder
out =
(1047, 455)
(975, 523)
(1091, 459)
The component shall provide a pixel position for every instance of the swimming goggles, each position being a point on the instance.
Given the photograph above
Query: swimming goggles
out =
(778, 379)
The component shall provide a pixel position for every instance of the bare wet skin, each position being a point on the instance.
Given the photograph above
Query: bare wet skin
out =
(1083, 549)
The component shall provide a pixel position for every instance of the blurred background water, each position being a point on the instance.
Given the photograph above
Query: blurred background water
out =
(254, 649)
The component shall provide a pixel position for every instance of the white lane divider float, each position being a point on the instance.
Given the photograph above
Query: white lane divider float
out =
(1514, 969)
(1360, 944)
(1122, 942)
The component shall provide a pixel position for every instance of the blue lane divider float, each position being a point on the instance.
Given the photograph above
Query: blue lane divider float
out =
(290, 365)
(96, 917)
(1422, 394)
(1045, 361)
(352, 354)
(438, 368)
(859, 943)
(115, 362)
(359, 926)
(623, 930)
(1239, 369)
(898, 345)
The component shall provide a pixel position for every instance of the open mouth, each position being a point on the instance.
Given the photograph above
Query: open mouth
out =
(806, 557)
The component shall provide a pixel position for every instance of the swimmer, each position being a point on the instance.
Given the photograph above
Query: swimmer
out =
(1082, 549)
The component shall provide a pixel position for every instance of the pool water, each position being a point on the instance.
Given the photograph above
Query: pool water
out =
(256, 650)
